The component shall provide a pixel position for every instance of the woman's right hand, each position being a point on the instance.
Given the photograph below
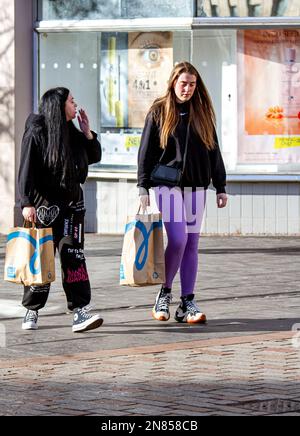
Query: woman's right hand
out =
(144, 202)
(29, 214)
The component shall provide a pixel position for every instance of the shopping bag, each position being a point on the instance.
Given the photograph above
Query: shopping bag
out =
(29, 256)
(143, 259)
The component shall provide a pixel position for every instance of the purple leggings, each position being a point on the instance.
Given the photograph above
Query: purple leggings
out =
(182, 213)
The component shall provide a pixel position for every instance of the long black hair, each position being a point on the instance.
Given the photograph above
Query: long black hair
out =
(58, 152)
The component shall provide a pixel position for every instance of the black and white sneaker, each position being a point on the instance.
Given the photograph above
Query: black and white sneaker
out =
(189, 312)
(30, 320)
(83, 320)
(161, 310)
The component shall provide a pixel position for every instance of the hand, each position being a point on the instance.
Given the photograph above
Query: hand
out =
(84, 124)
(221, 200)
(144, 202)
(29, 214)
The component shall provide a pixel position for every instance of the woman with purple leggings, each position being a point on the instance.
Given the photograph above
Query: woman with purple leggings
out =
(180, 127)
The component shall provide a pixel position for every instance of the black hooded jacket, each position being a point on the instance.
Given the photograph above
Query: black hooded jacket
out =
(202, 165)
(36, 180)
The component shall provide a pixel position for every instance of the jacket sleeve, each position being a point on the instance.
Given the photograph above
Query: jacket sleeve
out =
(218, 173)
(149, 152)
(26, 182)
(92, 148)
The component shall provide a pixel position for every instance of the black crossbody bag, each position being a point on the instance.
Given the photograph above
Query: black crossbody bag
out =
(170, 174)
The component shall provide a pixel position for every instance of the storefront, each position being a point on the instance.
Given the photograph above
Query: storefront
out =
(116, 57)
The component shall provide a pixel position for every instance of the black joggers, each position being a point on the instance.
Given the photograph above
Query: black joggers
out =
(68, 233)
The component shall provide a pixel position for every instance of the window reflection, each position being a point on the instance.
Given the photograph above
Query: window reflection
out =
(106, 9)
(248, 8)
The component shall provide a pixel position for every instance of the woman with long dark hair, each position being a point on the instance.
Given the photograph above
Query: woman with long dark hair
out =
(180, 132)
(54, 162)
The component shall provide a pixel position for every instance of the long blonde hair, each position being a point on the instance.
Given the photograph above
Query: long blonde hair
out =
(202, 115)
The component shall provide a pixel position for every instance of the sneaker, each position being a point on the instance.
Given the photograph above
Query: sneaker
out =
(30, 320)
(161, 310)
(83, 320)
(189, 312)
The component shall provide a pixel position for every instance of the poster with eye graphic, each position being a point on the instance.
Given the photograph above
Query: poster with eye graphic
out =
(150, 61)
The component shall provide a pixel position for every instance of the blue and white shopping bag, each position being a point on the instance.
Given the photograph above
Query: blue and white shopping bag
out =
(143, 260)
(29, 256)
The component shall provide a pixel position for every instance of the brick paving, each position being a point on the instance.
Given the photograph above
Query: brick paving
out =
(246, 361)
(258, 375)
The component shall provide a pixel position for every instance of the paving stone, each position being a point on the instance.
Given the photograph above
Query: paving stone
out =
(241, 363)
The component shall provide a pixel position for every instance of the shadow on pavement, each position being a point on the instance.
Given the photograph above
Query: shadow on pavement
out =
(214, 326)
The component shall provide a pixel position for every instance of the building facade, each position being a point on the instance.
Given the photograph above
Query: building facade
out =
(116, 57)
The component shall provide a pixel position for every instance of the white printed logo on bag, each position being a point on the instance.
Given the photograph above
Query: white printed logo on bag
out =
(11, 272)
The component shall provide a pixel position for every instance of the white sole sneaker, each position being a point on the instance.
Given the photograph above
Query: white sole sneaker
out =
(160, 316)
(93, 323)
(199, 318)
(29, 326)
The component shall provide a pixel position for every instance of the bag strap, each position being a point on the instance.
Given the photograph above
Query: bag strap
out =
(178, 157)
(28, 225)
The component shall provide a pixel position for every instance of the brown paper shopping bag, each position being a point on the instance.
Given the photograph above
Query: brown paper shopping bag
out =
(143, 259)
(29, 256)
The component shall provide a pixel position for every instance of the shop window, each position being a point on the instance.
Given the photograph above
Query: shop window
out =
(253, 77)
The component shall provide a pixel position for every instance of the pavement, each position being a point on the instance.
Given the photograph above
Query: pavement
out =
(245, 361)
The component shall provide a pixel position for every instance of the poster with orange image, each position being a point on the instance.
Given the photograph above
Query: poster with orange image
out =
(269, 95)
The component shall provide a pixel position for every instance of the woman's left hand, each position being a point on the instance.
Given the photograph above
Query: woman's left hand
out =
(84, 124)
(221, 200)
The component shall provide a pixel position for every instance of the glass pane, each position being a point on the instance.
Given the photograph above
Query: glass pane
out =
(135, 68)
(214, 56)
(248, 8)
(97, 9)
(72, 60)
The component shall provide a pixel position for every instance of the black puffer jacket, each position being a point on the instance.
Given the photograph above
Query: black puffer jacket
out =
(202, 165)
(36, 181)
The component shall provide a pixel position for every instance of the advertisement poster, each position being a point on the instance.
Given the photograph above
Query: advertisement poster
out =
(113, 83)
(269, 96)
(150, 61)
